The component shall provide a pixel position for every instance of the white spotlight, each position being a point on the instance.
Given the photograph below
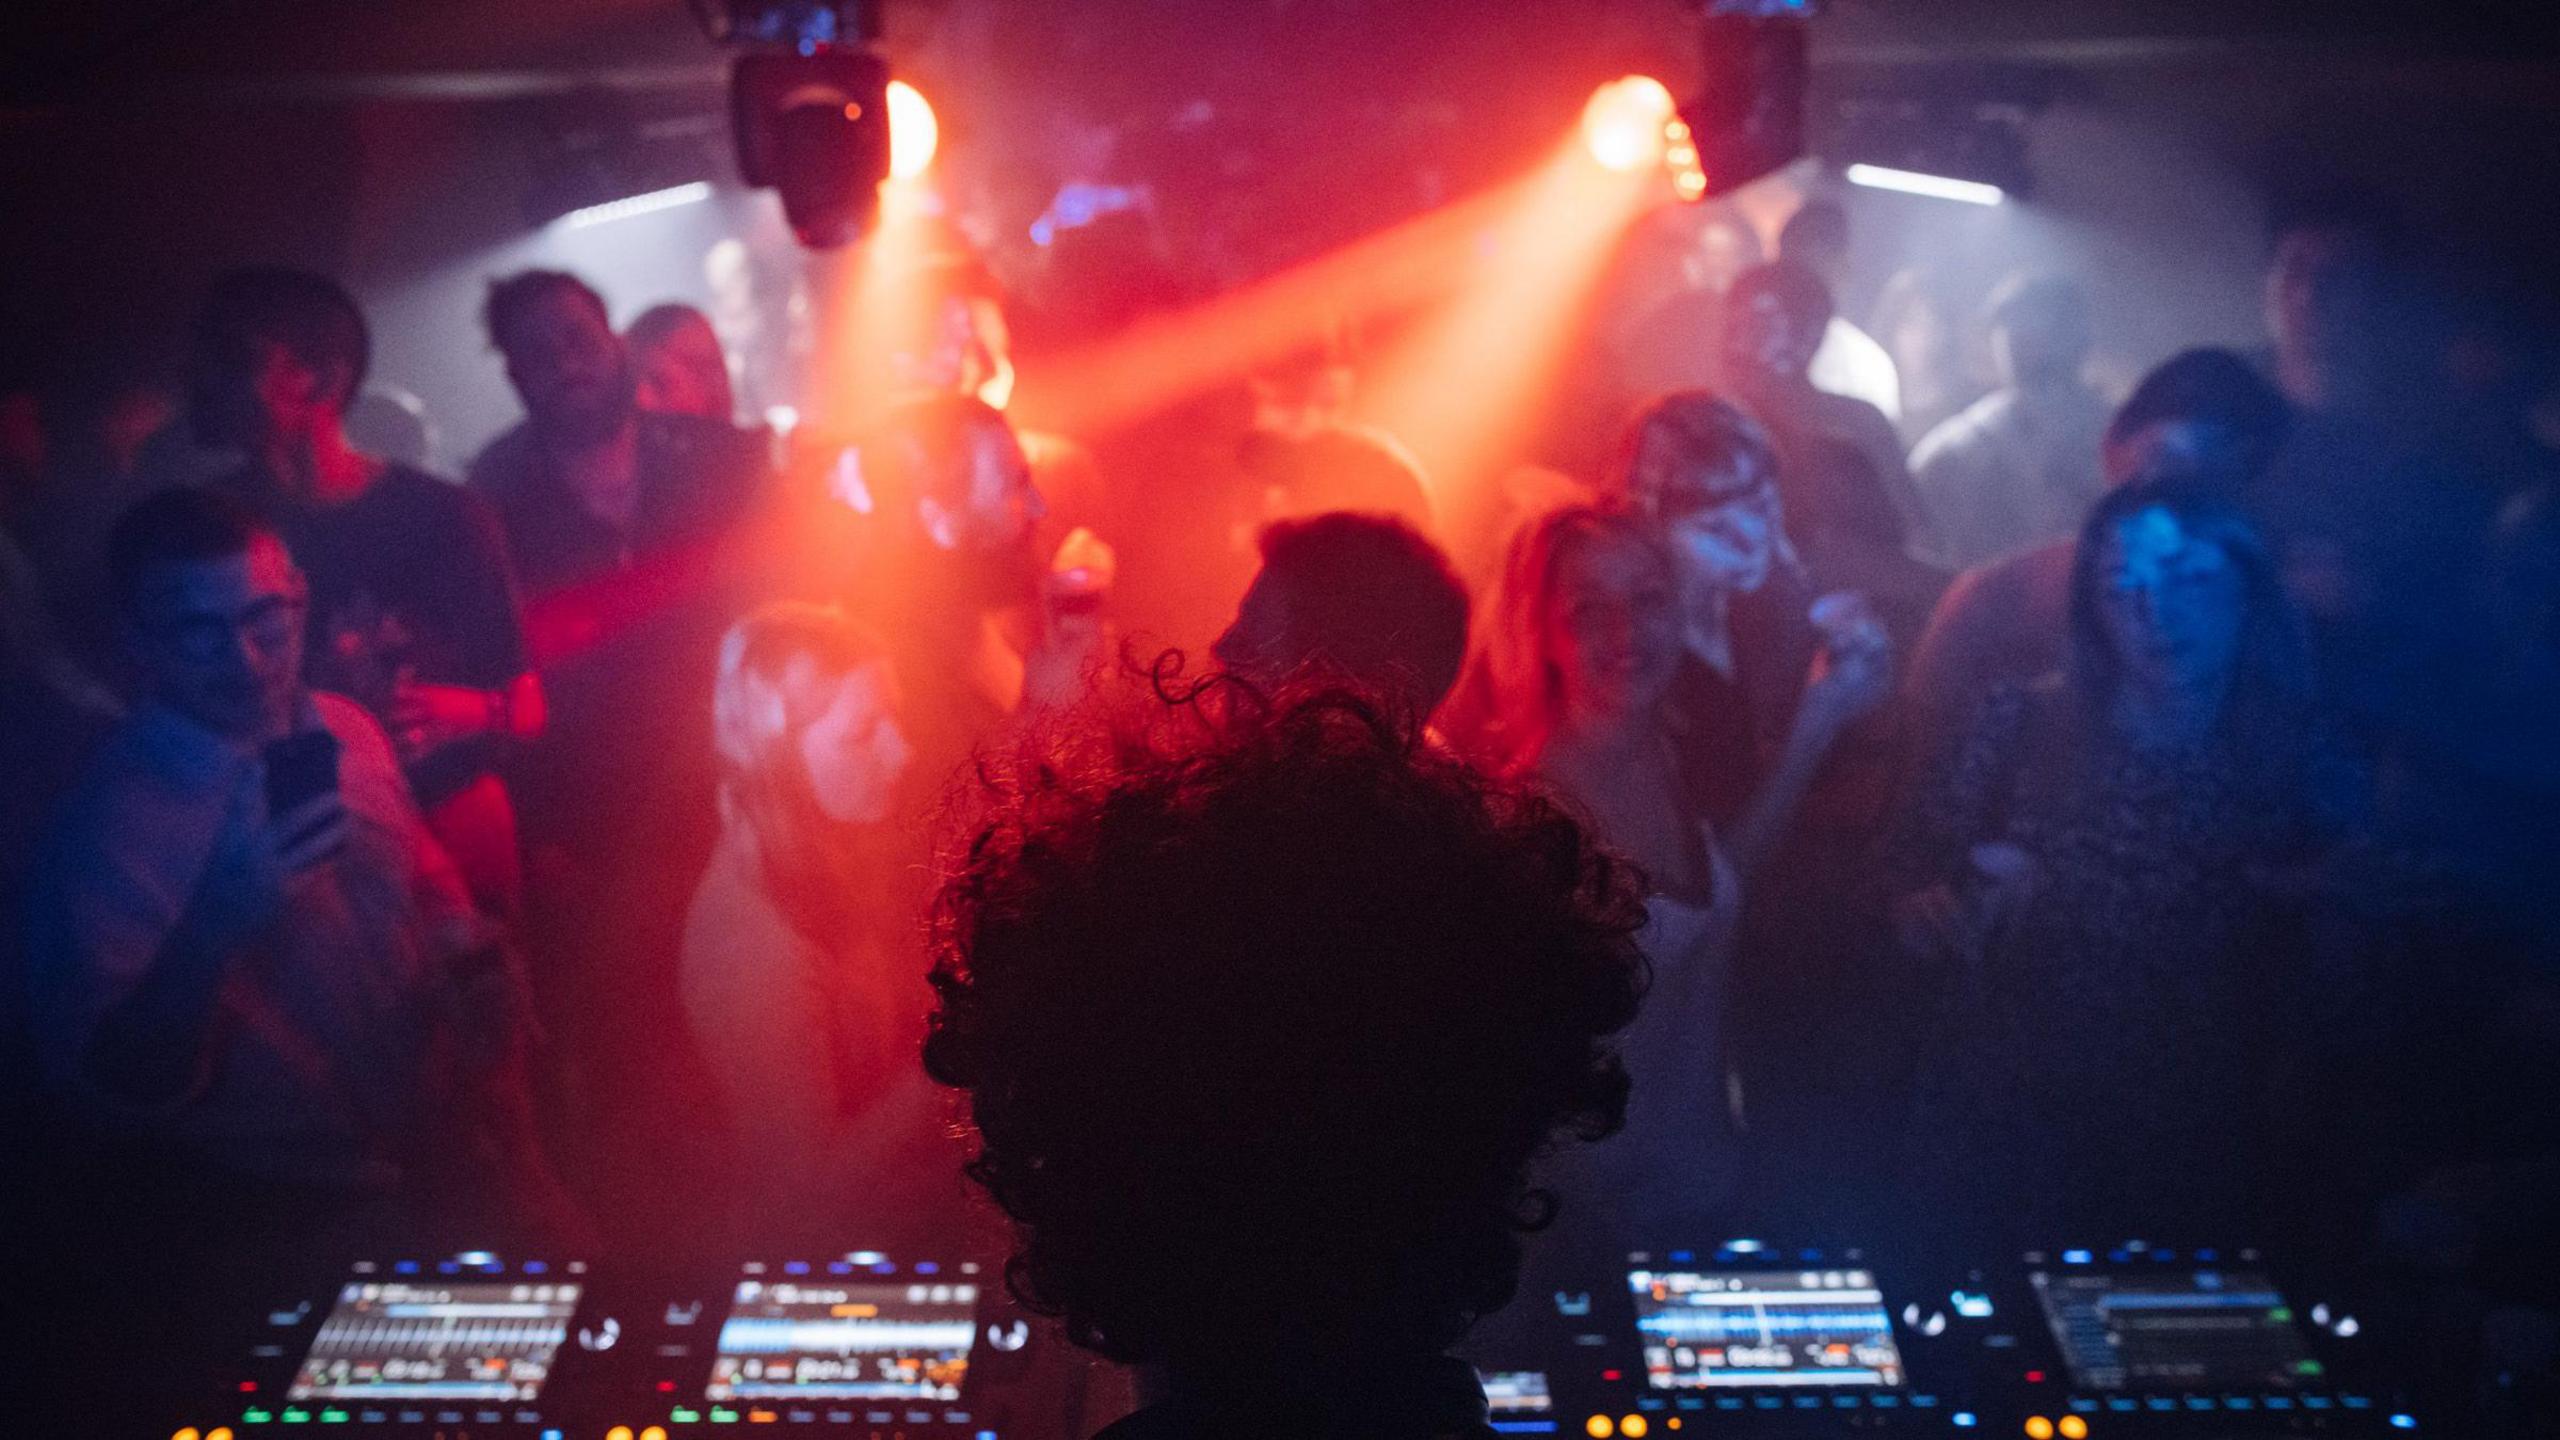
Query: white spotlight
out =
(1936, 187)
(645, 204)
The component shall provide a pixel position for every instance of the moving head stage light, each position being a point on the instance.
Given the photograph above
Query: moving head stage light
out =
(1747, 118)
(810, 108)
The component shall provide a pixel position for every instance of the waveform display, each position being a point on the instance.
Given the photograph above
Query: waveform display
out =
(1758, 1324)
(1760, 1330)
(841, 1337)
(490, 1342)
(845, 1342)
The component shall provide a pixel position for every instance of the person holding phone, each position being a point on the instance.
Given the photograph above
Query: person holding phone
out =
(247, 958)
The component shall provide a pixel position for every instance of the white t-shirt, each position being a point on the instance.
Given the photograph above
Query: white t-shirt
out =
(1851, 363)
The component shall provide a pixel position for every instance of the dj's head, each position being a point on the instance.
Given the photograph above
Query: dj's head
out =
(1262, 1017)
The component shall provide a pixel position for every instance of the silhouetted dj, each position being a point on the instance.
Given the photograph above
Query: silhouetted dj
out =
(1262, 1019)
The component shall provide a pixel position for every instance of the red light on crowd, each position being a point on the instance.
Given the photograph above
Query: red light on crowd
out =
(1626, 125)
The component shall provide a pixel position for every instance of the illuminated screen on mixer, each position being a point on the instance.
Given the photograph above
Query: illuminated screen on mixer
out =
(2187, 1329)
(886, 1341)
(437, 1342)
(1744, 1330)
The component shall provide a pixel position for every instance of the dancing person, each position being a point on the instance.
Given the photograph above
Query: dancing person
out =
(1774, 676)
(2082, 880)
(590, 482)
(794, 987)
(1584, 649)
(983, 626)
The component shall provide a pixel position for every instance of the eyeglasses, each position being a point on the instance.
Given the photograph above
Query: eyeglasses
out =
(270, 625)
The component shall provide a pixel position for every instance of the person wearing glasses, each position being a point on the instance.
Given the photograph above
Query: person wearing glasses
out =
(248, 963)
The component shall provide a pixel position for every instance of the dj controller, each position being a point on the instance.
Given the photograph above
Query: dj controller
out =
(1745, 1339)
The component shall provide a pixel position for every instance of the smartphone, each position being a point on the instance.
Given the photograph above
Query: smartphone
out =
(300, 769)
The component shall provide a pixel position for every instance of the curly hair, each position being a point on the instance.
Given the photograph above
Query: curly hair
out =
(1264, 1007)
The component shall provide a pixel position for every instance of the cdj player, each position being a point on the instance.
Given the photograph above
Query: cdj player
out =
(2080, 1344)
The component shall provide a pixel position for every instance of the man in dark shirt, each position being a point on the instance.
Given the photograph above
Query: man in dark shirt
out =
(413, 611)
(616, 520)
(589, 483)
(627, 530)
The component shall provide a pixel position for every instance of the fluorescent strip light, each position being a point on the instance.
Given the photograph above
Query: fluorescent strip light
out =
(624, 209)
(1936, 187)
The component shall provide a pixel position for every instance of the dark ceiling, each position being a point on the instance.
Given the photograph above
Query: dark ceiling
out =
(66, 51)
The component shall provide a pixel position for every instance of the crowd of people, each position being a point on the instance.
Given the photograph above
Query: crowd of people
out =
(2079, 819)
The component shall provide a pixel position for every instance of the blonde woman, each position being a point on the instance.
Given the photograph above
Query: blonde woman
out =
(802, 1003)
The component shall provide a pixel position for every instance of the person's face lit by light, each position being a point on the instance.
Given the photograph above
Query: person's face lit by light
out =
(1729, 548)
(566, 363)
(1613, 628)
(1722, 253)
(2173, 604)
(682, 371)
(854, 752)
(220, 640)
(998, 505)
